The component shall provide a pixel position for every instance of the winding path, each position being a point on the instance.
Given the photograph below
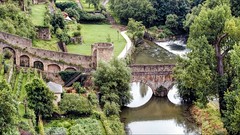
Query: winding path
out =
(127, 47)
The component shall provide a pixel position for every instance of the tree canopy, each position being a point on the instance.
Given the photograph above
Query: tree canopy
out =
(206, 69)
(39, 98)
(112, 79)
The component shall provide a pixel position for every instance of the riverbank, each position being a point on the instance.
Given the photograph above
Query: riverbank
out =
(208, 119)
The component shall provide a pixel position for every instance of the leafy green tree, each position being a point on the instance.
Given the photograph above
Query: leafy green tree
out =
(95, 3)
(235, 7)
(57, 21)
(218, 29)
(75, 104)
(112, 79)
(171, 21)
(8, 112)
(136, 28)
(39, 98)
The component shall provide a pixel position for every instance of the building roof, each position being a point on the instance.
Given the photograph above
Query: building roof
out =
(55, 88)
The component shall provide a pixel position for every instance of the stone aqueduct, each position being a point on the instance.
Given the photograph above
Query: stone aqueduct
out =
(25, 55)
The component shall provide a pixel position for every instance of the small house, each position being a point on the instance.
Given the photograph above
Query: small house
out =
(57, 90)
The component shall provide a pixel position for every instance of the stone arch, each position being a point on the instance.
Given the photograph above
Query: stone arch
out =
(54, 68)
(24, 61)
(70, 69)
(38, 65)
(5, 49)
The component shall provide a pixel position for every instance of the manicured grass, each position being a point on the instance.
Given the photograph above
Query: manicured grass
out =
(93, 33)
(38, 13)
(47, 45)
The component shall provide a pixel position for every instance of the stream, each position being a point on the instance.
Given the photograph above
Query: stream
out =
(147, 114)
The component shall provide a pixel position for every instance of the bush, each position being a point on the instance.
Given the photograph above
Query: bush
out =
(75, 104)
(77, 34)
(93, 99)
(72, 13)
(56, 131)
(7, 54)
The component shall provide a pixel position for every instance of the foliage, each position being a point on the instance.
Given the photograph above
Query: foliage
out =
(92, 98)
(8, 111)
(62, 36)
(57, 21)
(112, 79)
(75, 104)
(209, 120)
(235, 7)
(39, 98)
(77, 86)
(72, 13)
(40, 126)
(138, 10)
(95, 3)
(111, 109)
(66, 5)
(164, 8)
(86, 126)
(56, 131)
(207, 68)
(13, 21)
(171, 21)
(136, 28)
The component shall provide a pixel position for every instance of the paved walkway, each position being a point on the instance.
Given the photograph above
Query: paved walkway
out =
(127, 46)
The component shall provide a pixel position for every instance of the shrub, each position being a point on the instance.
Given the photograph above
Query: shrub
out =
(89, 126)
(93, 99)
(7, 54)
(75, 104)
(72, 13)
(77, 130)
(56, 131)
(77, 34)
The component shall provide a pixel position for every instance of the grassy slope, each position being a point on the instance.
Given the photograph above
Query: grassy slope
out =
(47, 45)
(93, 33)
(38, 12)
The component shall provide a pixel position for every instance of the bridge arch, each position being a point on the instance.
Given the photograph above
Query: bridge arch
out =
(70, 69)
(5, 49)
(38, 65)
(24, 61)
(54, 68)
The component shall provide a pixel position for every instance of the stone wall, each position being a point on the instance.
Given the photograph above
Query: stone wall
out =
(101, 52)
(43, 33)
(16, 40)
(23, 46)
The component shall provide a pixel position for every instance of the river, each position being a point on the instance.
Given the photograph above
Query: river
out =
(148, 114)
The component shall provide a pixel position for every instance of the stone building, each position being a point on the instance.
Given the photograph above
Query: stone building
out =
(57, 90)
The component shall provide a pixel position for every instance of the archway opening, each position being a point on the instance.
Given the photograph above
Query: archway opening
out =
(38, 65)
(9, 53)
(24, 61)
(54, 68)
(70, 69)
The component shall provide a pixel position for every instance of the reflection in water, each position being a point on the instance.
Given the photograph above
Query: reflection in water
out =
(143, 89)
(140, 95)
(158, 116)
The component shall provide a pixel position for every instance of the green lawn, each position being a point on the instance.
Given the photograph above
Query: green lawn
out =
(46, 44)
(38, 13)
(93, 33)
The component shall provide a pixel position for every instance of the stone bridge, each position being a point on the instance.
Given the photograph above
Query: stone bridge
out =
(25, 55)
(158, 77)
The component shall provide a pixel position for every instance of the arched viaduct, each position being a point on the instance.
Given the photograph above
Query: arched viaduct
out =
(158, 77)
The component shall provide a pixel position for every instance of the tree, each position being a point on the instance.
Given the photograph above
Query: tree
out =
(112, 79)
(136, 28)
(171, 21)
(220, 30)
(95, 3)
(8, 112)
(57, 21)
(39, 98)
(235, 7)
